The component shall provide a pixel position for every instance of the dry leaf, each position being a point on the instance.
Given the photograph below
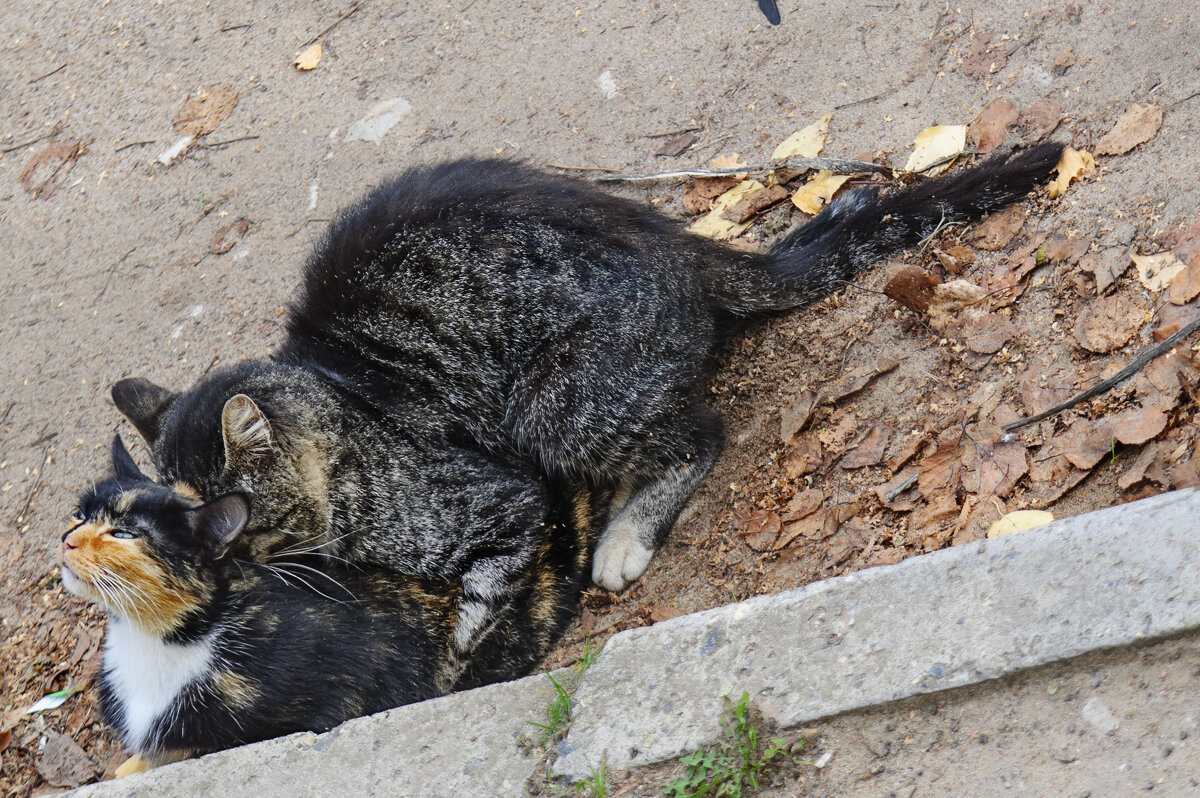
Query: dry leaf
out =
(855, 380)
(59, 157)
(222, 241)
(794, 418)
(1137, 425)
(202, 114)
(1157, 271)
(700, 194)
(912, 287)
(660, 613)
(1186, 286)
(869, 449)
(727, 161)
(1086, 442)
(940, 469)
(818, 191)
(63, 763)
(955, 259)
(1019, 521)
(1109, 322)
(1136, 126)
(996, 231)
(677, 145)
(889, 493)
(753, 203)
(714, 225)
(761, 530)
(991, 128)
(806, 456)
(804, 143)
(1071, 166)
(1064, 59)
(1105, 267)
(1066, 250)
(1040, 120)
(904, 449)
(987, 334)
(308, 59)
(803, 504)
(934, 144)
(134, 764)
(1144, 467)
(1187, 246)
(999, 466)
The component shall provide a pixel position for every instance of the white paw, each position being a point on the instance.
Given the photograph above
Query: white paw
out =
(620, 558)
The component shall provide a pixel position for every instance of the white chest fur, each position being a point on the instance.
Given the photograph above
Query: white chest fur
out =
(147, 674)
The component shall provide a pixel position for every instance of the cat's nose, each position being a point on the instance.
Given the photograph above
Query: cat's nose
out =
(66, 542)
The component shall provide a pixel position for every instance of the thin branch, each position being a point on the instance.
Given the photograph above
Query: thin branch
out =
(48, 74)
(208, 146)
(1135, 365)
(132, 144)
(879, 96)
(53, 132)
(353, 10)
(836, 165)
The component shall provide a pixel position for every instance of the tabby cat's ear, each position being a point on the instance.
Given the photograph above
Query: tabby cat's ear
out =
(218, 523)
(123, 465)
(247, 435)
(143, 403)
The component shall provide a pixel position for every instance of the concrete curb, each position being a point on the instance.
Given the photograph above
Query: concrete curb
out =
(947, 619)
(951, 618)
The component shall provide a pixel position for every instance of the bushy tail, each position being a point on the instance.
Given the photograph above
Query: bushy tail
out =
(859, 229)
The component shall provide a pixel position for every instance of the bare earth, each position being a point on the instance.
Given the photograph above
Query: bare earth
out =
(113, 264)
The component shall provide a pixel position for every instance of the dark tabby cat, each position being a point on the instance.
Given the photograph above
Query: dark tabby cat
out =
(205, 651)
(472, 330)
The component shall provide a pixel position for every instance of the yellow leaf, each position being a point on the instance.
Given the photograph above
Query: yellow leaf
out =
(715, 226)
(1071, 166)
(1019, 521)
(806, 143)
(1157, 271)
(134, 764)
(818, 192)
(933, 144)
(726, 161)
(309, 58)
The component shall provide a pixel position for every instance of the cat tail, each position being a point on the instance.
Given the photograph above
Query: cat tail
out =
(862, 228)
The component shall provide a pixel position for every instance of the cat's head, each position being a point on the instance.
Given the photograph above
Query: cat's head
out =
(218, 439)
(147, 552)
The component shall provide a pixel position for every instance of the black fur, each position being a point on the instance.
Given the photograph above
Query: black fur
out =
(472, 334)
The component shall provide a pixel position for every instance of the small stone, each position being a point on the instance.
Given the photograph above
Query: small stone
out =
(983, 739)
(1167, 750)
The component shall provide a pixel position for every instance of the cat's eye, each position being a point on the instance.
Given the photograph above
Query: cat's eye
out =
(77, 516)
(123, 534)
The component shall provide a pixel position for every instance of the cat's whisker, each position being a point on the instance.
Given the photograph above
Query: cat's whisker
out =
(280, 572)
(317, 548)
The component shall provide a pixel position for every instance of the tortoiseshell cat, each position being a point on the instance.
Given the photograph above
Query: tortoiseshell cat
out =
(205, 651)
(474, 332)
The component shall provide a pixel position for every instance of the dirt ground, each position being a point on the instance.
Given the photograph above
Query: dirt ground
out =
(115, 264)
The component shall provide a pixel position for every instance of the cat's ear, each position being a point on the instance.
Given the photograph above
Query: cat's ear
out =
(218, 523)
(247, 435)
(143, 403)
(123, 465)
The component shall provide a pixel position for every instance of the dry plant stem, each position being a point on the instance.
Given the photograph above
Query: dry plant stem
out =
(353, 10)
(836, 165)
(1136, 365)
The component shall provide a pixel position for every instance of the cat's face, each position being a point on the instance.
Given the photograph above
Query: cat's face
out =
(146, 552)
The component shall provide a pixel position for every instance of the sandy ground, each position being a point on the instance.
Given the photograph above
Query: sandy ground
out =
(123, 266)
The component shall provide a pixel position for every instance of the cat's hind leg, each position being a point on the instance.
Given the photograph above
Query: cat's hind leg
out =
(653, 505)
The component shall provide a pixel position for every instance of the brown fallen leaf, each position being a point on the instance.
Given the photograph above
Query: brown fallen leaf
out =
(1187, 244)
(941, 470)
(760, 529)
(991, 128)
(1136, 126)
(660, 613)
(202, 114)
(1039, 120)
(308, 59)
(855, 380)
(1157, 271)
(1086, 442)
(912, 287)
(714, 225)
(700, 194)
(1136, 425)
(1186, 285)
(988, 333)
(981, 61)
(891, 493)
(1071, 166)
(795, 417)
(806, 456)
(1144, 467)
(1066, 250)
(753, 203)
(803, 504)
(1042, 389)
(955, 259)
(868, 451)
(727, 162)
(1106, 267)
(996, 231)
(677, 145)
(953, 297)
(1019, 521)
(998, 467)
(904, 449)
(1109, 322)
(816, 526)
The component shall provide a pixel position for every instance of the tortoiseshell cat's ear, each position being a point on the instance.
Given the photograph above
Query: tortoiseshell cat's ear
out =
(144, 404)
(247, 435)
(219, 522)
(123, 465)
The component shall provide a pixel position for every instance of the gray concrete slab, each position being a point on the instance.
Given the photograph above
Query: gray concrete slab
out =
(952, 618)
(459, 745)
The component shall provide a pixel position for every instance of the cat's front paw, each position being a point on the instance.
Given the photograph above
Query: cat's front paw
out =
(621, 557)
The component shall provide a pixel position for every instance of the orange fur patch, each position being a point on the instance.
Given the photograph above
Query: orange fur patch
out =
(186, 491)
(126, 579)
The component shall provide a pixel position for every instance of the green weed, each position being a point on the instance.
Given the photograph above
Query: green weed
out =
(558, 713)
(732, 768)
